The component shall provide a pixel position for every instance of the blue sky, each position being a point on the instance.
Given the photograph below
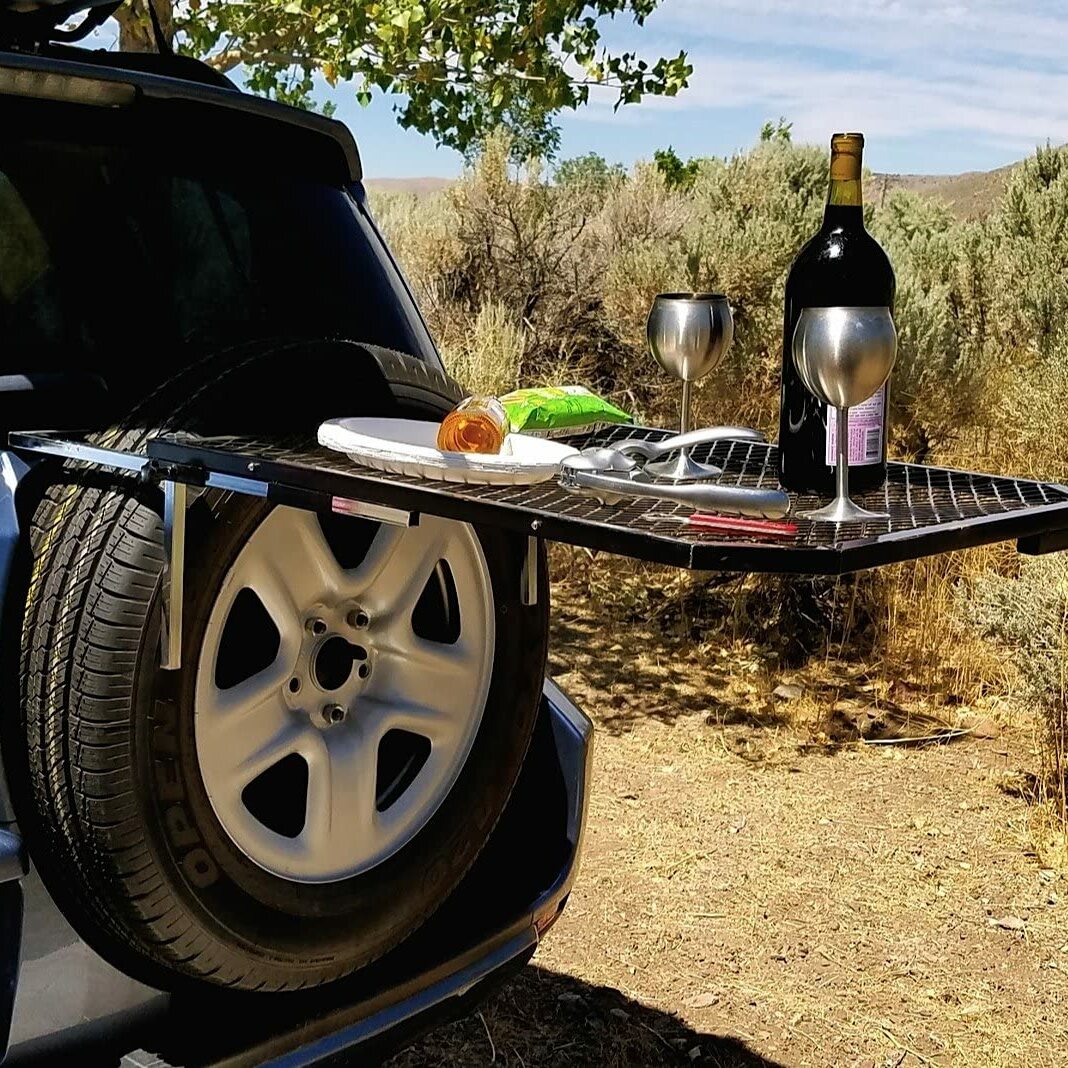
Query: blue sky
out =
(938, 86)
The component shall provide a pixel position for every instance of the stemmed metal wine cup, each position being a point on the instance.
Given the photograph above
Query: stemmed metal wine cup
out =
(689, 334)
(843, 355)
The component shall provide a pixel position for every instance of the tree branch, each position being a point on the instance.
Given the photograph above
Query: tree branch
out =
(233, 57)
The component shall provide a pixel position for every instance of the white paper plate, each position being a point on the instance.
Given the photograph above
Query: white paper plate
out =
(408, 447)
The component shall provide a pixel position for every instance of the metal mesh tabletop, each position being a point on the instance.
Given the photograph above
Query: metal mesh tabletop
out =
(932, 509)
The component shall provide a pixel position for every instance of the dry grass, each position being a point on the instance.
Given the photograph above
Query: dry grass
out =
(760, 888)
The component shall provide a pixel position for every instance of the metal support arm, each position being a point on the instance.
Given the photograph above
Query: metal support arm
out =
(175, 496)
(529, 579)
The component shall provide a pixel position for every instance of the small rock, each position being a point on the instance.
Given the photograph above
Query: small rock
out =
(703, 1001)
(1047, 875)
(695, 1053)
(571, 999)
(1008, 923)
(984, 727)
(787, 691)
(619, 1014)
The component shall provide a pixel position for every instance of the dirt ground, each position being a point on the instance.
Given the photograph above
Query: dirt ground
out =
(753, 894)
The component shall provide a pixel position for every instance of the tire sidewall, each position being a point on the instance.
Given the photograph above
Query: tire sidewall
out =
(363, 916)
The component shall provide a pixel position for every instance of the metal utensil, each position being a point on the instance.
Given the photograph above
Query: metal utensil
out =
(589, 473)
(843, 356)
(652, 450)
(689, 334)
(603, 460)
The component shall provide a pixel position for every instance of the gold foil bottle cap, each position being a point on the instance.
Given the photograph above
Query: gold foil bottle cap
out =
(847, 153)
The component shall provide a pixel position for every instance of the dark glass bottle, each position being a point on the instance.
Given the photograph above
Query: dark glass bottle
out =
(843, 265)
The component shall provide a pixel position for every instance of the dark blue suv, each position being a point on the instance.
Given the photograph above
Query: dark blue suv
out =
(358, 800)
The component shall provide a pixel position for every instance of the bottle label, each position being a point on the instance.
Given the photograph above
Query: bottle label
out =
(865, 432)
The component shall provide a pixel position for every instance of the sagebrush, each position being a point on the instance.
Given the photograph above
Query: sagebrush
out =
(532, 277)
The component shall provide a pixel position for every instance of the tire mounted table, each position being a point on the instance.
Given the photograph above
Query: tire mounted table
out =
(931, 509)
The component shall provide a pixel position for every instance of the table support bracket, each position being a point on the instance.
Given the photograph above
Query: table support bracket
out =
(175, 496)
(529, 578)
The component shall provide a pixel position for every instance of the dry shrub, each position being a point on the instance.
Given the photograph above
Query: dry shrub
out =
(1029, 614)
(487, 358)
(525, 278)
(502, 255)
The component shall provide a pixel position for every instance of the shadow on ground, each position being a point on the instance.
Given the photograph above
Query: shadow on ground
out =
(644, 676)
(542, 1019)
(625, 672)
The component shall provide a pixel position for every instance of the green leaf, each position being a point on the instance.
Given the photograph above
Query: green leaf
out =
(463, 68)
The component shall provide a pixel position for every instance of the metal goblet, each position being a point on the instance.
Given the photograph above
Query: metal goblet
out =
(689, 334)
(843, 355)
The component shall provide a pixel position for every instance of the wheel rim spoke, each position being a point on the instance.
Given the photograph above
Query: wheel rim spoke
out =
(399, 577)
(378, 567)
(246, 733)
(425, 673)
(342, 780)
(439, 727)
(247, 696)
(296, 568)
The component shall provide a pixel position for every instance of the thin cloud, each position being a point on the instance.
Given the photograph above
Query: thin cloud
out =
(873, 28)
(904, 69)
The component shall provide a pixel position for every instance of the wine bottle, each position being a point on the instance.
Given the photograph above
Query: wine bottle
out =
(842, 265)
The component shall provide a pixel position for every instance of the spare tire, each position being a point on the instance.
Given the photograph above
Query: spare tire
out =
(353, 709)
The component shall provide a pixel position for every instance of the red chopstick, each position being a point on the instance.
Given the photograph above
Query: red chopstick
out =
(730, 525)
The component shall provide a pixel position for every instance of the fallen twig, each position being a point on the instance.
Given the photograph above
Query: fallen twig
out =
(923, 739)
(489, 1037)
(667, 1044)
(901, 1045)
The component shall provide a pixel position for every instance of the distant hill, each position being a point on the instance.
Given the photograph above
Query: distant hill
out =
(969, 196)
(421, 187)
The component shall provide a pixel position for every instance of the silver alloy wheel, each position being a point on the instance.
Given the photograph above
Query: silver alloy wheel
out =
(304, 703)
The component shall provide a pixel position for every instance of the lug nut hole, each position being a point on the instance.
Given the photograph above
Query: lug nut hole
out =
(363, 670)
(359, 619)
(333, 714)
(294, 685)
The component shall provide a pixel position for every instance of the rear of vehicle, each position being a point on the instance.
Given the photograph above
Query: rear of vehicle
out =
(357, 699)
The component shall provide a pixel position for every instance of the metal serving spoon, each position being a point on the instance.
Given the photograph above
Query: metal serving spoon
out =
(654, 450)
(612, 477)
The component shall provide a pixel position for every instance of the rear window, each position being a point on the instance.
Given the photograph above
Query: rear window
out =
(155, 248)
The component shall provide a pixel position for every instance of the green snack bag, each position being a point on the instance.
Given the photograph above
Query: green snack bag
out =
(554, 411)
